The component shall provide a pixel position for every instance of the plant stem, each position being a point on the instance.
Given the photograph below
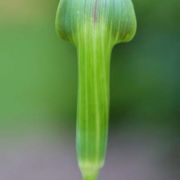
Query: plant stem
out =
(90, 177)
(94, 50)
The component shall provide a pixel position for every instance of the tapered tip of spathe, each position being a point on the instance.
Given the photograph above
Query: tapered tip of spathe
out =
(90, 173)
(91, 176)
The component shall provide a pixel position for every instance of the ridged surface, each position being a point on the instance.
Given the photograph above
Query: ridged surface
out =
(118, 15)
(94, 51)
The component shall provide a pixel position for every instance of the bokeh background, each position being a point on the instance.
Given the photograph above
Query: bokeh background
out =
(38, 87)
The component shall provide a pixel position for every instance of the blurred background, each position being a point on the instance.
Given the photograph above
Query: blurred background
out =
(38, 87)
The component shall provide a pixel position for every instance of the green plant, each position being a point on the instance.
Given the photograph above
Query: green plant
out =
(94, 27)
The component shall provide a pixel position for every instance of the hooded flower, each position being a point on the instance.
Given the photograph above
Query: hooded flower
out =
(94, 26)
(115, 17)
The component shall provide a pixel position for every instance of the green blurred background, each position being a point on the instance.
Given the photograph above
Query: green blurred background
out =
(38, 71)
(38, 92)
